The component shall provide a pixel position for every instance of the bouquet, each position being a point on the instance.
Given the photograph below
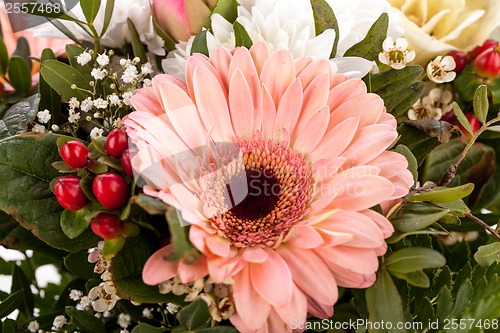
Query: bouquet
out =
(250, 165)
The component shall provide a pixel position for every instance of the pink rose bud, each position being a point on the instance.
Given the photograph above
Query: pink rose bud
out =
(181, 19)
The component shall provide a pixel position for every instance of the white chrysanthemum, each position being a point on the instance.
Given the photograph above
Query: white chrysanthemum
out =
(289, 25)
(117, 34)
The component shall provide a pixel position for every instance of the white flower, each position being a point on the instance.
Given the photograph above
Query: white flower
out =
(147, 83)
(440, 69)
(147, 313)
(114, 99)
(73, 116)
(96, 133)
(83, 58)
(124, 330)
(85, 302)
(123, 320)
(38, 128)
(55, 128)
(33, 326)
(87, 104)
(75, 295)
(125, 62)
(101, 103)
(59, 321)
(172, 308)
(126, 97)
(99, 73)
(434, 105)
(44, 116)
(73, 103)
(130, 74)
(395, 54)
(146, 69)
(102, 59)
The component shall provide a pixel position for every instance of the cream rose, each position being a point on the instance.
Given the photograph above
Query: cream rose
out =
(434, 27)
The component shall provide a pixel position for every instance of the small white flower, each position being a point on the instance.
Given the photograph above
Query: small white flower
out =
(87, 104)
(126, 97)
(395, 54)
(146, 313)
(130, 74)
(59, 321)
(97, 115)
(33, 326)
(73, 116)
(114, 99)
(75, 295)
(96, 133)
(101, 103)
(146, 83)
(44, 116)
(38, 128)
(73, 103)
(83, 58)
(146, 69)
(440, 69)
(102, 59)
(136, 60)
(123, 320)
(124, 330)
(125, 62)
(433, 106)
(172, 308)
(98, 73)
(55, 128)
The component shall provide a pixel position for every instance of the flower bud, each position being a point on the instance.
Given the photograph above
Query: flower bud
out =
(181, 19)
(487, 64)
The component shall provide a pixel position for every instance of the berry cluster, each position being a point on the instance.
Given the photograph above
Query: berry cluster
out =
(109, 189)
(485, 60)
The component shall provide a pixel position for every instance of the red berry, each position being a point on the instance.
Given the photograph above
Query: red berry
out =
(106, 226)
(488, 44)
(110, 189)
(487, 64)
(74, 153)
(116, 142)
(69, 194)
(460, 60)
(126, 164)
(473, 121)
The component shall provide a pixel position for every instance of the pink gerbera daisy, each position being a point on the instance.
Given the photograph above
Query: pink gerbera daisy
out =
(275, 163)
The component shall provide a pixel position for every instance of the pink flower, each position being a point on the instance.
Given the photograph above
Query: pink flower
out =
(279, 200)
(182, 18)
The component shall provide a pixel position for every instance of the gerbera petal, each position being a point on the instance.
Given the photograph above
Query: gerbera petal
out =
(345, 91)
(363, 261)
(218, 245)
(241, 105)
(268, 114)
(305, 237)
(368, 107)
(341, 136)
(193, 271)
(255, 254)
(278, 74)
(156, 269)
(289, 109)
(307, 140)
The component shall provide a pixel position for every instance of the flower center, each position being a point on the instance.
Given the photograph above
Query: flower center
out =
(259, 197)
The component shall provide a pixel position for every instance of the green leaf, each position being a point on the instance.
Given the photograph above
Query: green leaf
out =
(25, 174)
(409, 222)
(194, 315)
(461, 117)
(480, 103)
(169, 42)
(20, 282)
(73, 51)
(20, 75)
(4, 57)
(146, 328)
(85, 321)
(444, 304)
(180, 240)
(464, 296)
(135, 40)
(108, 14)
(112, 246)
(44, 11)
(74, 223)
(62, 77)
(200, 44)
(9, 326)
(23, 50)
(441, 194)
(127, 267)
(488, 254)
(384, 302)
(228, 9)
(49, 98)
(90, 8)
(150, 205)
(241, 36)
(371, 45)
(412, 161)
(78, 264)
(413, 259)
(17, 117)
(416, 278)
(11, 303)
(324, 18)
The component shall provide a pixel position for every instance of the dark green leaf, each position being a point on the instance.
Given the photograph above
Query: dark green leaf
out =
(463, 297)
(74, 223)
(179, 238)
(409, 222)
(441, 279)
(21, 283)
(78, 264)
(151, 205)
(20, 75)
(16, 119)
(444, 304)
(488, 254)
(62, 77)
(108, 14)
(324, 18)
(416, 278)
(413, 259)
(112, 246)
(146, 328)
(90, 9)
(85, 321)
(23, 50)
(194, 315)
(49, 98)
(200, 43)
(11, 303)
(4, 57)
(25, 174)
(444, 194)
(228, 9)
(371, 45)
(241, 36)
(481, 104)
(9, 326)
(384, 302)
(417, 141)
(218, 329)
(412, 161)
(135, 40)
